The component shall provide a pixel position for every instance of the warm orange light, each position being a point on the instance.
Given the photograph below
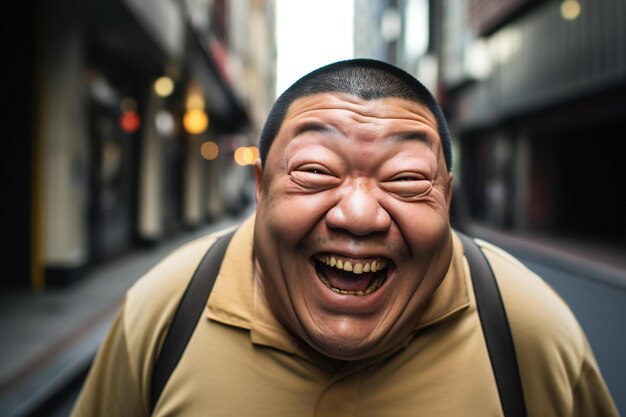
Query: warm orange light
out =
(246, 155)
(255, 153)
(237, 156)
(129, 121)
(209, 150)
(195, 121)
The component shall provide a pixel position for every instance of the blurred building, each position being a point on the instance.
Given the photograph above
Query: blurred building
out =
(368, 22)
(135, 112)
(535, 95)
(535, 92)
(401, 32)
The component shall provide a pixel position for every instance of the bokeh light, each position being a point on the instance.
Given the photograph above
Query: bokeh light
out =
(164, 86)
(209, 150)
(129, 121)
(164, 122)
(246, 155)
(195, 121)
(195, 101)
(570, 9)
(255, 153)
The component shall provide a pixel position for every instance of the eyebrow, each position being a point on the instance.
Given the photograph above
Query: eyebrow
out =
(412, 135)
(315, 127)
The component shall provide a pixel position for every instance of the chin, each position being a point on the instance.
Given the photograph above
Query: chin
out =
(347, 352)
(345, 347)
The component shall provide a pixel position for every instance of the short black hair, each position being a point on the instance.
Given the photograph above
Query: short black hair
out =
(368, 79)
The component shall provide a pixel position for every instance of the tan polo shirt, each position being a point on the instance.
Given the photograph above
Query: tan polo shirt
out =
(242, 362)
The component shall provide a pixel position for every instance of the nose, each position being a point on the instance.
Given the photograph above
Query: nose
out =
(358, 211)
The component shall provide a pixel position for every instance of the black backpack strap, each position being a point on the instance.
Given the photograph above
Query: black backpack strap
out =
(186, 317)
(496, 330)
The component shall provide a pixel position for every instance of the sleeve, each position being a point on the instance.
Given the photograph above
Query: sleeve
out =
(118, 381)
(111, 387)
(590, 393)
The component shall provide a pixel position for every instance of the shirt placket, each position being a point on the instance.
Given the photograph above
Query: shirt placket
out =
(338, 399)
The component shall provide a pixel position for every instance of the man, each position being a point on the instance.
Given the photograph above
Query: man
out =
(347, 293)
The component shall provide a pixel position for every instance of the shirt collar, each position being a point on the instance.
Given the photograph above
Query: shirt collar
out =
(237, 300)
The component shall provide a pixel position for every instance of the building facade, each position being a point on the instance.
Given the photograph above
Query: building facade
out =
(535, 92)
(126, 96)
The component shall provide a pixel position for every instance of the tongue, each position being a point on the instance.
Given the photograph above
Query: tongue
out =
(347, 280)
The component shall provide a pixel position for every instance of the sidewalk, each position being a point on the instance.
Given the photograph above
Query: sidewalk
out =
(49, 339)
(580, 257)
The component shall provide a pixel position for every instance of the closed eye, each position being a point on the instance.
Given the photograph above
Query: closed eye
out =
(408, 186)
(407, 178)
(314, 177)
(314, 169)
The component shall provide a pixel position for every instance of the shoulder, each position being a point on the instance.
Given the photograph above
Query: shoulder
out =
(550, 345)
(162, 286)
(151, 302)
(532, 306)
(159, 290)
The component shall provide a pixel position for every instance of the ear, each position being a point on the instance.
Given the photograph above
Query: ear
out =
(449, 191)
(258, 177)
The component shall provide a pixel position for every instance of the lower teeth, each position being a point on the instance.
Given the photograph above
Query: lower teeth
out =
(374, 285)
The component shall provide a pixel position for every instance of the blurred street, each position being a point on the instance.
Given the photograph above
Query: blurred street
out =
(53, 336)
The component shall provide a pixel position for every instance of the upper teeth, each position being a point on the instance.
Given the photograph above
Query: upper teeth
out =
(356, 268)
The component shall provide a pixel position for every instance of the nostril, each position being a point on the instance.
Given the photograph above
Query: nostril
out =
(359, 213)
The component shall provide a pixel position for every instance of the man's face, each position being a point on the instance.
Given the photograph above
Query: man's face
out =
(352, 234)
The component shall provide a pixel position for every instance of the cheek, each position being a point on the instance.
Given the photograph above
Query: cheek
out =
(423, 226)
(291, 217)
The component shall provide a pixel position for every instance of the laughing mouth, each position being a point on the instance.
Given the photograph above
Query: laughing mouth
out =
(351, 277)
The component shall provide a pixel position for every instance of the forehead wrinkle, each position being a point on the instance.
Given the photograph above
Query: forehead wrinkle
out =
(363, 112)
(365, 126)
(367, 109)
